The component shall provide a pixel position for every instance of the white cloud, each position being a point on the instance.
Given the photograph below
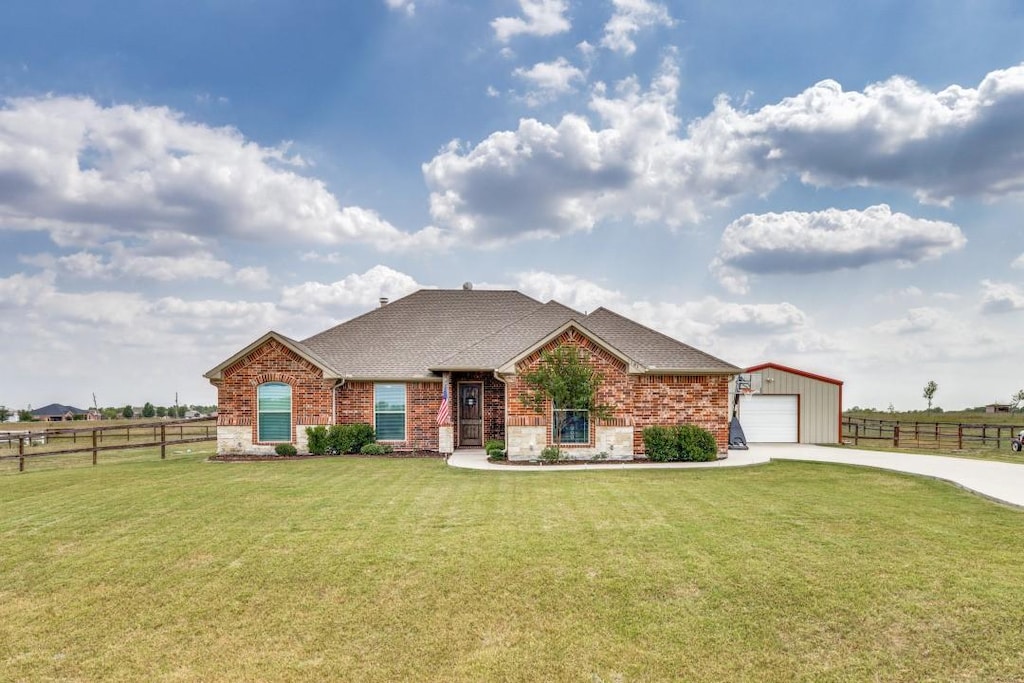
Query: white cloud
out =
(548, 80)
(1018, 262)
(631, 17)
(940, 145)
(540, 18)
(916, 320)
(87, 173)
(574, 292)
(1001, 297)
(635, 162)
(821, 241)
(407, 6)
(355, 290)
(543, 180)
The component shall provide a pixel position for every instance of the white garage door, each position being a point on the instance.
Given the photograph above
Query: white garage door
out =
(768, 419)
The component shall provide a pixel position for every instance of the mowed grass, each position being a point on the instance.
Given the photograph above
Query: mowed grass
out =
(388, 570)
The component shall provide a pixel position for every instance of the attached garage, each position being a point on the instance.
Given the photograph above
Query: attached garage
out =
(779, 404)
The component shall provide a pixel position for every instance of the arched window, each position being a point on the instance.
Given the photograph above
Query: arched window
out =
(274, 401)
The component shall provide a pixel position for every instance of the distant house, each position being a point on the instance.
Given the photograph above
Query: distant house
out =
(997, 408)
(56, 412)
(192, 414)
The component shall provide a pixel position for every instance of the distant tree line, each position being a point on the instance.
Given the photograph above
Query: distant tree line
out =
(148, 410)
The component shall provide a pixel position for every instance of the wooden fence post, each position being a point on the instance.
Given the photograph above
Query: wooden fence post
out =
(93, 446)
(21, 454)
(163, 444)
(896, 435)
(960, 437)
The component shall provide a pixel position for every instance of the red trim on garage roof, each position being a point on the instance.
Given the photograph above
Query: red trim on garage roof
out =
(802, 373)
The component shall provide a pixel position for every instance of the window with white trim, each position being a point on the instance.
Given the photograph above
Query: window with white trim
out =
(274, 412)
(389, 411)
(571, 426)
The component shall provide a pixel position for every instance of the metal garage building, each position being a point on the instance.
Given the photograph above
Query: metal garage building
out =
(780, 404)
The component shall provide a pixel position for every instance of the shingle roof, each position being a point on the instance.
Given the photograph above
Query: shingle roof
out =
(650, 348)
(403, 339)
(434, 330)
(55, 409)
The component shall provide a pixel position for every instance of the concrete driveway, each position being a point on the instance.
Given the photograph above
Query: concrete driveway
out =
(1000, 481)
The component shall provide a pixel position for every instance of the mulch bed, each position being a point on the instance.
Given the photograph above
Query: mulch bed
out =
(538, 463)
(241, 457)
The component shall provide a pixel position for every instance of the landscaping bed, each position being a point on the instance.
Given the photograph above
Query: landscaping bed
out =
(263, 457)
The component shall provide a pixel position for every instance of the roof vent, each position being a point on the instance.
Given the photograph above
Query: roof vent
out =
(468, 286)
(383, 301)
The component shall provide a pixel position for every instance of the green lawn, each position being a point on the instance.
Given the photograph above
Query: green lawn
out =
(389, 570)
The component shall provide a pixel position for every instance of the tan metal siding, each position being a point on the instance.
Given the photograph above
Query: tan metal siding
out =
(819, 403)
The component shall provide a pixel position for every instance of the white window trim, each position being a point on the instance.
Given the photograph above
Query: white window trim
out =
(291, 412)
(405, 411)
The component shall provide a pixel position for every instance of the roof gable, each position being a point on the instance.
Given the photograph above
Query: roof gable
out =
(794, 371)
(509, 366)
(296, 347)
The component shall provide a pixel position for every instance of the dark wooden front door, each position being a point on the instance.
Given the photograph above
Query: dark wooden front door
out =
(471, 410)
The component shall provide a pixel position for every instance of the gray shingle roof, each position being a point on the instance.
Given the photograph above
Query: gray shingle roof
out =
(654, 350)
(403, 339)
(435, 330)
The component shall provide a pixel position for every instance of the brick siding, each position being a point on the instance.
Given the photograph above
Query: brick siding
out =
(273, 362)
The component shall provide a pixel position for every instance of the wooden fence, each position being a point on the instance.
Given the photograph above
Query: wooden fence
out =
(24, 444)
(936, 435)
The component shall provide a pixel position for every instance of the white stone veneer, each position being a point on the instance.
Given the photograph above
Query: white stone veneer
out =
(526, 443)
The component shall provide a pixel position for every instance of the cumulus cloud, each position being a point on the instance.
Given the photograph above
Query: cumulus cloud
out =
(358, 289)
(406, 6)
(1001, 297)
(541, 180)
(631, 17)
(540, 18)
(87, 173)
(632, 158)
(1018, 262)
(821, 241)
(574, 292)
(548, 80)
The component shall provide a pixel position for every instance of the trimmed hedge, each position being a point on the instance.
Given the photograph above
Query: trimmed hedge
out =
(285, 449)
(680, 443)
(336, 439)
(495, 449)
(377, 449)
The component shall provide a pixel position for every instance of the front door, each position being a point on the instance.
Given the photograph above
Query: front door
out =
(471, 424)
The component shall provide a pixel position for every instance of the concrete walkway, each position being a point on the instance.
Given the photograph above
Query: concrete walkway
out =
(1000, 481)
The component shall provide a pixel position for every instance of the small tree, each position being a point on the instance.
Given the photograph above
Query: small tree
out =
(564, 377)
(25, 416)
(148, 410)
(929, 392)
(1017, 399)
(161, 411)
(4, 413)
(127, 412)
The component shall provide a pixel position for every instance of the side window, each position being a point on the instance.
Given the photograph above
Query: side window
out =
(389, 411)
(274, 405)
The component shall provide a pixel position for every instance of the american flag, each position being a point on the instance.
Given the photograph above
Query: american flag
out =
(443, 417)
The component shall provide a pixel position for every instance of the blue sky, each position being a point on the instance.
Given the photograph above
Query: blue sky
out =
(834, 186)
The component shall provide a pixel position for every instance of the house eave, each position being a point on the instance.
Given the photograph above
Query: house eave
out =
(509, 366)
(217, 373)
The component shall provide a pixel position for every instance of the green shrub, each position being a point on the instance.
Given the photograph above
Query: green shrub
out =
(695, 443)
(285, 449)
(495, 449)
(683, 442)
(349, 438)
(660, 444)
(551, 454)
(317, 439)
(376, 449)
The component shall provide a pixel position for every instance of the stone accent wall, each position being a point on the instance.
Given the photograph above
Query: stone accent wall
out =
(422, 399)
(270, 362)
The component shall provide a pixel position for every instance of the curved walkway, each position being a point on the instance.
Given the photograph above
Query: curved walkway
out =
(1001, 481)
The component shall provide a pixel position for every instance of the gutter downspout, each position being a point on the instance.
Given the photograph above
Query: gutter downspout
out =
(334, 400)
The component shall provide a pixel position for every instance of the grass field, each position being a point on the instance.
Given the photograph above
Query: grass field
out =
(387, 570)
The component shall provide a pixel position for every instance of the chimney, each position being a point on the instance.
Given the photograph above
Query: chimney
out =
(383, 301)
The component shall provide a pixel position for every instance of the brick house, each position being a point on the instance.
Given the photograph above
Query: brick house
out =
(392, 367)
